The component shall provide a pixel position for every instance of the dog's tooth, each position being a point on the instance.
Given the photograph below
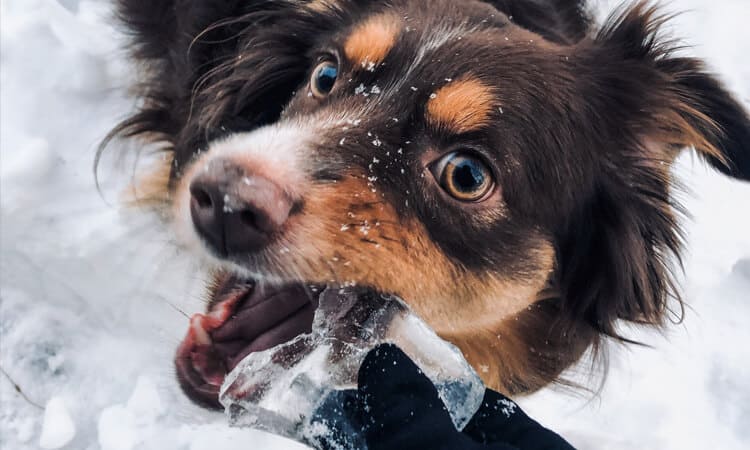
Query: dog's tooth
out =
(219, 312)
(199, 332)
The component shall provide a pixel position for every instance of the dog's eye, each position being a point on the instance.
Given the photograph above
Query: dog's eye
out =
(465, 177)
(323, 78)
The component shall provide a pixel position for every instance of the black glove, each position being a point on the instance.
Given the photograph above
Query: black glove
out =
(397, 407)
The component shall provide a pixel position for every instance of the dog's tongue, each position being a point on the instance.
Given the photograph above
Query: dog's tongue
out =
(266, 318)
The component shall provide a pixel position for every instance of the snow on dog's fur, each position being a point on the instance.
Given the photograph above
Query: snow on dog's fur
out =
(501, 165)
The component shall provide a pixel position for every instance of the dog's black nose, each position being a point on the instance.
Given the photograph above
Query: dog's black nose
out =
(236, 212)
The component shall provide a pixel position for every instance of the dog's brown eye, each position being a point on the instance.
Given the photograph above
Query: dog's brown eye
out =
(465, 177)
(323, 78)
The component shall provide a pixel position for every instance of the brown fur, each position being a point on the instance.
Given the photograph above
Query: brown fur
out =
(578, 125)
(346, 234)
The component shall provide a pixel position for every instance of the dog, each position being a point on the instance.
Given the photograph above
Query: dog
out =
(501, 165)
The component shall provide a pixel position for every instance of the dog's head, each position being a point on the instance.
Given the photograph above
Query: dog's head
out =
(498, 164)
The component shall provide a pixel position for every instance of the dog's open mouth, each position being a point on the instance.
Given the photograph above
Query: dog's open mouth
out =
(244, 317)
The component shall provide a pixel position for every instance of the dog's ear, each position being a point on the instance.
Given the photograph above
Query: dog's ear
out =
(170, 40)
(207, 66)
(672, 102)
(645, 104)
(614, 252)
(159, 29)
(152, 25)
(563, 21)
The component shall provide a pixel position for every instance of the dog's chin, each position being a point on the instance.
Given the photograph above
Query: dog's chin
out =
(245, 316)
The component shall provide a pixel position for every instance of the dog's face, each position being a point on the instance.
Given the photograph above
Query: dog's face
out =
(395, 164)
(509, 179)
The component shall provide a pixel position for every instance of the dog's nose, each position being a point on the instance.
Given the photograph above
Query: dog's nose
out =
(236, 212)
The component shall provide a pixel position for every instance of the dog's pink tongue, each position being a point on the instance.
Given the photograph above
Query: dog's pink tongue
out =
(205, 360)
(198, 348)
(264, 310)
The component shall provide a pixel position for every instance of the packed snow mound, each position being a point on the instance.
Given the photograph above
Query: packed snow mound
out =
(91, 295)
(57, 427)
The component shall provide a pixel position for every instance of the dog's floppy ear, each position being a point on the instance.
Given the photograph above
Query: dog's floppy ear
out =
(152, 25)
(723, 121)
(193, 51)
(674, 101)
(169, 39)
(563, 21)
(645, 103)
(159, 29)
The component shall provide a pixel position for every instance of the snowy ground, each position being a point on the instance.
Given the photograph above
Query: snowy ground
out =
(88, 324)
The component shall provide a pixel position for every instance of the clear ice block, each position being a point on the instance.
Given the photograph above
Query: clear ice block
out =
(278, 390)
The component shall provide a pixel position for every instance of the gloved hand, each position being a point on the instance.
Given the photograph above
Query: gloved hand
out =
(397, 407)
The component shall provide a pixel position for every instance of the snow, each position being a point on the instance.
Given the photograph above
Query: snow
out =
(124, 426)
(57, 426)
(92, 295)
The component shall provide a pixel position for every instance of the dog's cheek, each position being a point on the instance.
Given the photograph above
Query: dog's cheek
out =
(349, 234)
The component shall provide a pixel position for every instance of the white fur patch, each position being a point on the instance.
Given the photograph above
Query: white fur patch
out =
(272, 152)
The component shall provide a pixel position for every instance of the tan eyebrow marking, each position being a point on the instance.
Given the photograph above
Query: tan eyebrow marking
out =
(371, 41)
(461, 106)
(322, 5)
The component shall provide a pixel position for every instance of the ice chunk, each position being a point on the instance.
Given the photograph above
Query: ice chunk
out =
(279, 389)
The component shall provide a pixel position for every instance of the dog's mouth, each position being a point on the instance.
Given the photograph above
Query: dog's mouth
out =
(244, 317)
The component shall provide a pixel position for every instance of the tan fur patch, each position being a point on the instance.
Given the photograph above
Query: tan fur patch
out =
(501, 358)
(527, 351)
(322, 5)
(678, 127)
(461, 106)
(151, 188)
(348, 234)
(371, 41)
